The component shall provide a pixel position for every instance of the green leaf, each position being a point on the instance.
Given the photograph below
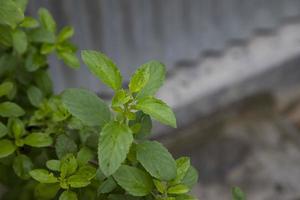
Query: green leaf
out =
(237, 194)
(68, 165)
(114, 143)
(87, 171)
(84, 155)
(139, 79)
(10, 13)
(43, 81)
(22, 166)
(190, 178)
(68, 195)
(156, 159)
(182, 165)
(135, 181)
(41, 35)
(17, 127)
(46, 191)
(35, 96)
(86, 106)
(22, 4)
(77, 181)
(53, 165)
(70, 59)
(107, 186)
(178, 189)
(64, 145)
(5, 88)
(43, 176)
(158, 110)
(120, 98)
(103, 68)
(47, 48)
(29, 22)
(38, 140)
(7, 148)
(160, 186)
(9, 109)
(3, 130)
(66, 33)
(20, 42)
(157, 76)
(145, 125)
(47, 20)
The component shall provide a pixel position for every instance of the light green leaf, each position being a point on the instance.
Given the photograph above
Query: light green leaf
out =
(114, 143)
(53, 165)
(22, 166)
(38, 140)
(190, 178)
(68, 195)
(9, 109)
(7, 148)
(17, 127)
(22, 4)
(157, 73)
(29, 22)
(103, 68)
(3, 130)
(66, 33)
(43, 176)
(68, 165)
(84, 155)
(47, 20)
(46, 191)
(158, 110)
(237, 194)
(35, 96)
(156, 159)
(86, 106)
(135, 181)
(182, 165)
(70, 59)
(120, 98)
(47, 48)
(107, 186)
(139, 79)
(20, 42)
(64, 145)
(5, 88)
(77, 181)
(178, 189)
(10, 13)
(160, 186)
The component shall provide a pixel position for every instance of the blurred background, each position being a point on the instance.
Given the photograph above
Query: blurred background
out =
(233, 80)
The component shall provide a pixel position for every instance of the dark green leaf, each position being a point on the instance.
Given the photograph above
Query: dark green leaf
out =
(107, 186)
(64, 145)
(158, 110)
(135, 181)
(68, 195)
(3, 130)
(86, 106)
(9, 109)
(22, 166)
(156, 159)
(84, 155)
(46, 191)
(103, 68)
(5, 88)
(114, 143)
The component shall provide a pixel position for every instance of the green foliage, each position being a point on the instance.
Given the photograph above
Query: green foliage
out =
(75, 145)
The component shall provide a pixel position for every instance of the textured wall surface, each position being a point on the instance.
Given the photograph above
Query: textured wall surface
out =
(172, 31)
